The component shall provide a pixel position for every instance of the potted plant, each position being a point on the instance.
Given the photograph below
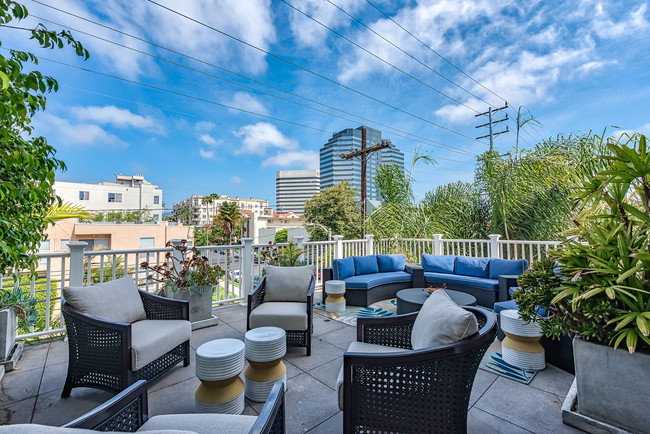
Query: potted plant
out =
(14, 305)
(602, 289)
(188, 276)
(287, 256)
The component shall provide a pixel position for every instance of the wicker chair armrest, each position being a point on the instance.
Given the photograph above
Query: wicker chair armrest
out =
(126, 411)
(73, 314)
(271, 418)
(506, 281)
(392, 331)
(158, 307)
(255, 298)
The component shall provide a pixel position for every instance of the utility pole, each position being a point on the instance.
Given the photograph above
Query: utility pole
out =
(491, 123)
(363, 153)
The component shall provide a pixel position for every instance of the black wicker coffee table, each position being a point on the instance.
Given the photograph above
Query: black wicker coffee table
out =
(411, 299)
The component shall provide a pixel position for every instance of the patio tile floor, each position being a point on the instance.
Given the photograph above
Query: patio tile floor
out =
(32, 392)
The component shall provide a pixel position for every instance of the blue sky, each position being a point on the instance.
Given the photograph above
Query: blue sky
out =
(576, 65)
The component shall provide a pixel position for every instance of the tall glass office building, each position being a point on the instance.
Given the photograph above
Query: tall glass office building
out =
(334, 169)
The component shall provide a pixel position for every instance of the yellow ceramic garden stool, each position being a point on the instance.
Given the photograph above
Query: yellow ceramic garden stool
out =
(521, 347)
(265, 347)
(218, 365)
(335, 301)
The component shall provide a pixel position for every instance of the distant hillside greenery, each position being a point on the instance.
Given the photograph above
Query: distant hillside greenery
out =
(523, 195)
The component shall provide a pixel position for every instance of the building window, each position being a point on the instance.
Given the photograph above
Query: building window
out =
(114, 197)
(146, 241)
(156, 200)
(45, 245)
(97, 243)
(64, 244)
(84, 195)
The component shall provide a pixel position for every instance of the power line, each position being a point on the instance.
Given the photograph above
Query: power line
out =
(407, 53)
(377, 57)
(275, 56)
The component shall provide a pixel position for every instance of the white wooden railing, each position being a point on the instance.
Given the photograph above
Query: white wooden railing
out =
(241, 263)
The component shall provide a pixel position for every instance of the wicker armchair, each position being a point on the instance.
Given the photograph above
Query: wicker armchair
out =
(295, 338)
(414, 391)
(128, 411)
(101, 351)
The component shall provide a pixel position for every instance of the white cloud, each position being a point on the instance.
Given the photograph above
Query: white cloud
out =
(261, 137)
(73, 134)
(295, 159)
(643, 129)
(236, 180)
(208, 140)
(246, 101)
(208, 155)
(606, 27)
(115, 116)
(204, 126)
(311, 34)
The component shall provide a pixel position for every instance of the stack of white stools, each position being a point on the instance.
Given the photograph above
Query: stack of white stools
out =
(521, 347)
(218, 365)
(335, 301)
(265, 347)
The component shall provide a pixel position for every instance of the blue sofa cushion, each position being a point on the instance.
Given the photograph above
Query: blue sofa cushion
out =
(477, 267)
(342, 268)
(505, 305)
(367, 281)
(388, 263)
(512, 267)
(457, 279)
(365, 265)
(438, 264)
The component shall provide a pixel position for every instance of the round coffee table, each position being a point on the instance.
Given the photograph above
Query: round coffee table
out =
(411, 299)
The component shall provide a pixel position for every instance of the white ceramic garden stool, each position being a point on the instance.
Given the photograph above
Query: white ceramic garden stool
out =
(265, 347)
(335, 301)
(521, 347)
(218, 365)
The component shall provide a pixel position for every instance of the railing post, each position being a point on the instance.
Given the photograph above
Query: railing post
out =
(77, 262)
(437, 244)
(370, 248)
(338, 246)
(246, 280)
(300, 243)
(494, 246)
(176, 254)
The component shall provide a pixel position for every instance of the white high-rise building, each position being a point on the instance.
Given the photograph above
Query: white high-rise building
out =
(293, 188)
(127, 193)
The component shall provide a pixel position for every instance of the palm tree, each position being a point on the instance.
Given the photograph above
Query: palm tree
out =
(60, 210)
(184, 215)
(229, 218)
(523, 118)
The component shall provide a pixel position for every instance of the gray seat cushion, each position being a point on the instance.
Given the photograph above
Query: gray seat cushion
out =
(33, 428)
(441, 322)
(361, 347)
(287, 316)
(288, 283)
(116, 301)
(201, 423)
(151, 338)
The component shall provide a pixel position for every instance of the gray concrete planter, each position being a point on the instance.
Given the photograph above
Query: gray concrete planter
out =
(612, 385)
(200, 304)
(8, 330)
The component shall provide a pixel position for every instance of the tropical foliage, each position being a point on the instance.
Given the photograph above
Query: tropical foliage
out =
(336, 208)
(138, 215)
(229, 218)
(287, 256)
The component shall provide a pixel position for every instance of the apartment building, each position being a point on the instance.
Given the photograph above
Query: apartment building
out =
(127, 193)
(293, 188)
(202, 213)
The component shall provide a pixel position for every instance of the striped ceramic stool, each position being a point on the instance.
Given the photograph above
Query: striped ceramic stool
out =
(335, 301)
(521, 347)
(218, 365)
(265, 347)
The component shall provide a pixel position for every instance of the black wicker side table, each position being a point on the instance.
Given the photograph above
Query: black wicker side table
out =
(411, 299)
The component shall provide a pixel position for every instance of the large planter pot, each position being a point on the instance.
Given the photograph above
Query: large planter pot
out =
(200, 304)
(612, 384)
(8, 330)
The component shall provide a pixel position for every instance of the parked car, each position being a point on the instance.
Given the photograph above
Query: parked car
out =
(234, 275)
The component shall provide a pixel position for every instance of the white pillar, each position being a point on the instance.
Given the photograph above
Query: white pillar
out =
(494, 246)
(177, 256)
(338, 246)
(300, 243)
(437, 244)
(77, 262)
(246, 258)
(370, 248)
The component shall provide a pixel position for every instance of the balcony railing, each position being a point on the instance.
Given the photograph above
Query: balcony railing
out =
(241, 263)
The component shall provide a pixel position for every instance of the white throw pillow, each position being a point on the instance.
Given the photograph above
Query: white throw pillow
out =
(117, 300)
(288, 283)
(441, 322)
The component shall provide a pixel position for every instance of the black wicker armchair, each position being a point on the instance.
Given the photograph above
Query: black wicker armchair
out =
(295, 338)
(415, 391)
(100, 351)
(128, 411)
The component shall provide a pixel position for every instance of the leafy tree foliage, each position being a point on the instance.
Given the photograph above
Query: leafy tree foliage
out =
(282, 236)
(27, 164)
(141, 215)
(229, 218)
(337, 208)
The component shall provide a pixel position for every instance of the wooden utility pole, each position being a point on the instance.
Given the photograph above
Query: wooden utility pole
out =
(363, 153)
(491, 123)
